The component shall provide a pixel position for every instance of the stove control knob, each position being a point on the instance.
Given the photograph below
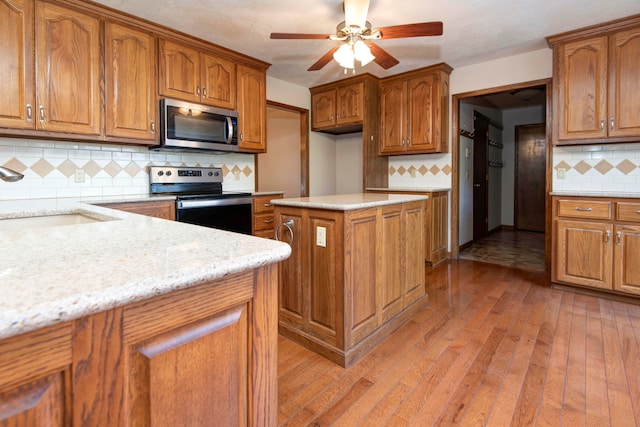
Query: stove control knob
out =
(168, 173)
(210, 173)
(217, 173)
(160, 173)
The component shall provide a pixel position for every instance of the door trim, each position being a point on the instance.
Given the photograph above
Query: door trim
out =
(304, 144)
(455, 155)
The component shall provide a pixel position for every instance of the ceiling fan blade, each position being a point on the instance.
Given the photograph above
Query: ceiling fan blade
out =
(355, 12)
(326, 58)
(412, 30)
(299, 36)
(382, 57)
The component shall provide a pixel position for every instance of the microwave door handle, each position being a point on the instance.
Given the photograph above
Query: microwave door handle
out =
(229, 130)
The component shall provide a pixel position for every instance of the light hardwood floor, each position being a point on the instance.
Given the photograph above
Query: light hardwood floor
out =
(495, 346)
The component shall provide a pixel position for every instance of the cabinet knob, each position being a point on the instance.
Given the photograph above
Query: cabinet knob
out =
(153, 126)
(204, 92)
(198, 90)
(602, 125)
(619, 238)
(41, 108)
(267, 205)
(613, 121)
(268, 221)
(607, 237)
(29, 113)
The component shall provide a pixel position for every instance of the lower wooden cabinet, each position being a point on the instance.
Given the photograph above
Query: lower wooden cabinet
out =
(596, 243)
(164, 209)
(263, 224)
(200, 356)
(353, 276)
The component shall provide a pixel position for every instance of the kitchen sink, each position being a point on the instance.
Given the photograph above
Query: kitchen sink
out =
(72, 218)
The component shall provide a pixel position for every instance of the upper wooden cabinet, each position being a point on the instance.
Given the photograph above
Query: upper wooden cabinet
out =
(414, 111)
(130, 73)
(63, 95)
(192, 75)
(252, 110)
(338, 105)
(596, 83)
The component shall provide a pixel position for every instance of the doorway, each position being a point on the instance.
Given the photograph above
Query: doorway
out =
(285, 166)
(513, 105)
(531, 150)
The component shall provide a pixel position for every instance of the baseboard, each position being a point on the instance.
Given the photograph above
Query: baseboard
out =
(464, 246)
(507, 228)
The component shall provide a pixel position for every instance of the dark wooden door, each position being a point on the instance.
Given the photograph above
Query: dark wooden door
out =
(480, 177)
(531, 143)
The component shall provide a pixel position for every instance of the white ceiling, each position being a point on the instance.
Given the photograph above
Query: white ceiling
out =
(474, 30)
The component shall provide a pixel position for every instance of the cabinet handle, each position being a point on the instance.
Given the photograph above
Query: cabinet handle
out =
(602, 125)
(241, 137)
(584, 209)
(204, 92)
(268, 221)
(619, 236)
(408, 142)
(29, 113)
(638, 212)
(153, 126)
(613, 121)
(267, 205)
(402, 142)
(198, 90)
(608, 237)
(41, 108)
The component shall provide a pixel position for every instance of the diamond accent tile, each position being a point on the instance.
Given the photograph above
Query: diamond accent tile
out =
(235, 169)
(626, 166)
(563, 165)
(113, 168)
(16, 165)
(42, 167)
(392, 170)
(603, 167)
(434, 169)
(132, 169)
(582, 167)
(67, 168)
(225, 170)
(247, 171)
(402, 170)
(423, 170)
(91, 168)
(447, 170)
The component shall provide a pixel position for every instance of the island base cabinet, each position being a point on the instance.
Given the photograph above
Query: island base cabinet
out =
(206, 355)
(352, 278)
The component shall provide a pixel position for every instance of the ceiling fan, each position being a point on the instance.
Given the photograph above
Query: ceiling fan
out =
(357, 36)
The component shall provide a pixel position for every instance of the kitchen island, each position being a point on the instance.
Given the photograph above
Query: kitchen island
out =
(112, 318)
(356, 271)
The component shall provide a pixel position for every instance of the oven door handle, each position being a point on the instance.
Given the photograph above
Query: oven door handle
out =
(229, 130)
(186, 204)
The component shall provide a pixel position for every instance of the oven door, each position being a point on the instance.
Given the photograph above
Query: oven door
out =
(231, 213)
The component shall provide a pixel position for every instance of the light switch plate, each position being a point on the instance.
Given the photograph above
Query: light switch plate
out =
(321, 237)
(562, 173)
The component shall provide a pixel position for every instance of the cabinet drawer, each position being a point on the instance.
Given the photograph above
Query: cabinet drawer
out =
(262, 221)
(261, 204)
(628, 211)
(267, 234)
(584, 209)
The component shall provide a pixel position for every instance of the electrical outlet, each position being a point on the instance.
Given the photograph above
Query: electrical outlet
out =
(321, 237)
(236, 175)
(562, 173)
(78, 175)
(412, 172)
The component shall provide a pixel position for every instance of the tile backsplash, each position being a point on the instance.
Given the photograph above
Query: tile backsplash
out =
(607, 167)
(420, 170)
(110, 171)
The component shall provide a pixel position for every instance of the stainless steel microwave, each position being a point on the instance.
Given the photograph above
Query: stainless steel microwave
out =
(188, 126)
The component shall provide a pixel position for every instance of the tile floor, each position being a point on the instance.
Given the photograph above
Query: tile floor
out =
(519, 249)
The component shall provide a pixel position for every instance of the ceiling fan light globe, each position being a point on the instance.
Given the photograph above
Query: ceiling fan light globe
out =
(344, 56)
(362, 52)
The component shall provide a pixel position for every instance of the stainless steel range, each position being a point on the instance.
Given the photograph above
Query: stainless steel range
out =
(200, 199)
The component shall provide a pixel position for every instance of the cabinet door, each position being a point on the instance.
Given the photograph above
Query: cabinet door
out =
(16, 68)
(323, 109)
(414, 252)
(627, 259)
(252, 110)
(218, 82)
(582, 89)
(130, 63)
(349, 104)
(439, 228)
(422, 102)
(34, 386)
(624, 84)
(67, 69)
(179, 71)
(390, 263)
(584, 254)
(392, 117)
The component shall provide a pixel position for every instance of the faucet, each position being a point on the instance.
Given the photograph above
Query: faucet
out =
(10, 175)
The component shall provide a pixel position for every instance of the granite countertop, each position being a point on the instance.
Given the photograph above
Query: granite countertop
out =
(266, 193)
(595, 194)
(412, 189)
(345, 202)
(52, 274)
